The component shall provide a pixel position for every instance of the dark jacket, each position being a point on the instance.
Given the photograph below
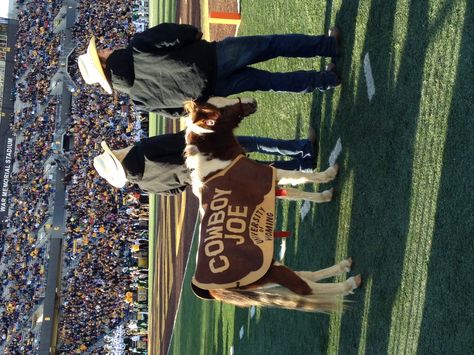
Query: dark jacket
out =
(156, 164)
(164, 66)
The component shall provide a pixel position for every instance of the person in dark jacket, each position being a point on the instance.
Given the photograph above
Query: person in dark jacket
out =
(170, 63)
(156, 164)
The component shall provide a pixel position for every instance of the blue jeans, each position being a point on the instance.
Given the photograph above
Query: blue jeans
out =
(235, 54)
(301, 150)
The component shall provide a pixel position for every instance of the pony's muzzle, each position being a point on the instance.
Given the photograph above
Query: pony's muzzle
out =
(249, 106)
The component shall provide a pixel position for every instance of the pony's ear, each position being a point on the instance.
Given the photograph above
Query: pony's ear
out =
(190, 106)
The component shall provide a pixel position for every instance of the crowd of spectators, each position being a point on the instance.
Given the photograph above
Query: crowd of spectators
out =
(104, 230)
(23, 254)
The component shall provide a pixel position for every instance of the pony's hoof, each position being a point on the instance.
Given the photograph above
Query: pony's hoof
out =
(358, 280)
(347, 264)
(329, 174)
(354, 282)
(328, 195)
(334, 170)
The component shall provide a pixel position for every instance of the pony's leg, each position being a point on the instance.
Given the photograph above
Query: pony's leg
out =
(335, 270)
(284, 276)
(296, 195)
(285, 177)
(336, 288)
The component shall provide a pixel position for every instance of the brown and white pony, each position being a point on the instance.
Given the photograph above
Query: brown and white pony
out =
(210, 147)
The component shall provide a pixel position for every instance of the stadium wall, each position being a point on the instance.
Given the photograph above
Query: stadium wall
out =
(12, 10)
(51, 304)
(49, 327)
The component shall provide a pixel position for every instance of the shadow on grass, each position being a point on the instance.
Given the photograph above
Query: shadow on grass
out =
(279, 209)
(378, 143)
(447, 324)
(378, 140)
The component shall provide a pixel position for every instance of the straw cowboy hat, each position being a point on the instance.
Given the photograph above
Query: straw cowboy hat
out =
(91, 68)
(109, 167)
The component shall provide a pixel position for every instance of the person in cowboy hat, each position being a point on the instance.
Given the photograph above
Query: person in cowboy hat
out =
(156, 164)
(91, 68)
(170, 63)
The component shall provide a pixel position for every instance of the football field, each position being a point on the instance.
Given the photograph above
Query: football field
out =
(404, 205)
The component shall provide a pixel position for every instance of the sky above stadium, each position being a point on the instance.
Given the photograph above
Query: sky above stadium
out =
(4, 8)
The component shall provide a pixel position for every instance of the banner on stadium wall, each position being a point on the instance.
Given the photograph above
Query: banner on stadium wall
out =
(6, 165)
(7, 140)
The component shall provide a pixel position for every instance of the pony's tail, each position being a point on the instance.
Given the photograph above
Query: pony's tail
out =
(279, 297)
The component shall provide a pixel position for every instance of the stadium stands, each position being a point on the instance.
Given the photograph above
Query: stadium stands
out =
(105, 238)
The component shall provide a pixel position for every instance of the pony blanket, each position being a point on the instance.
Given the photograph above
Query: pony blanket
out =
(238, 217)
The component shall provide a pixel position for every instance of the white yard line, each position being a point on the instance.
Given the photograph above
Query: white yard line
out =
(281, 256)
(335, 152)
(305, 208)
(252, 311)
(241, 332)
(369, 78)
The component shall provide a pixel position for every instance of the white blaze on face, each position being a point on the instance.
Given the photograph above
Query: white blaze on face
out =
(192, 127)
(221, 102)
(247, 101)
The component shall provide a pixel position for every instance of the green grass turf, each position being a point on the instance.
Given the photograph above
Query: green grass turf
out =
(156, 127)
(403, 208)
(159, 11)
